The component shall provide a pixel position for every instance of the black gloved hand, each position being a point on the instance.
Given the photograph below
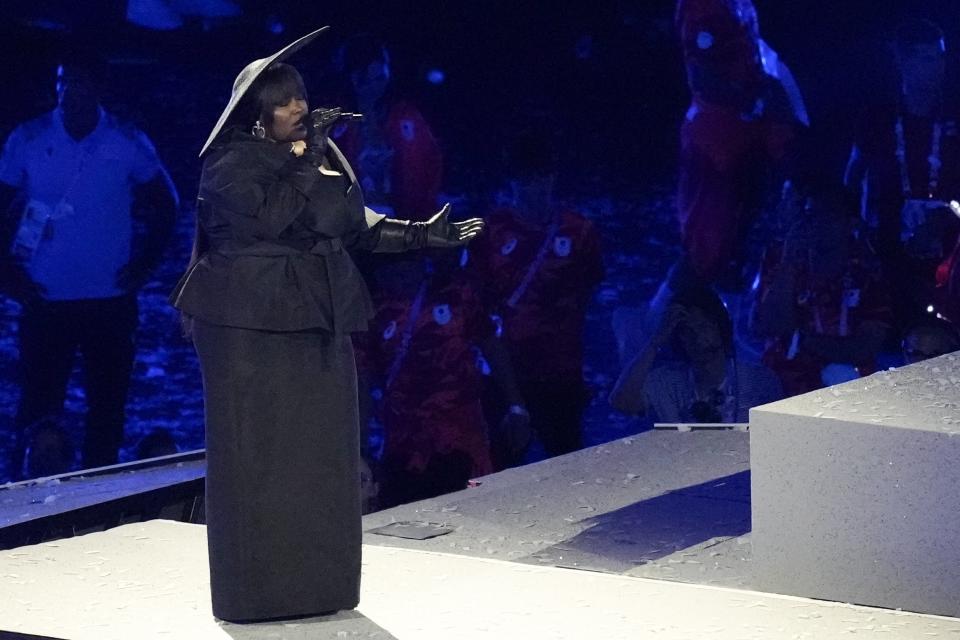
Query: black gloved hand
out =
(442, 233)
(319, 123)
(437, 232)
(323, 119)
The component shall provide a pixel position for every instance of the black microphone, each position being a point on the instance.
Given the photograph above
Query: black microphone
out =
(320, 122)
(325, 117)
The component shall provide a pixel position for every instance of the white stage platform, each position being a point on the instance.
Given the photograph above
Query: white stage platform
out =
(855, 490)
(149, 580)
(640, 538)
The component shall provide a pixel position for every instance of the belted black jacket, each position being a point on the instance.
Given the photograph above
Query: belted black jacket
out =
(273, 235)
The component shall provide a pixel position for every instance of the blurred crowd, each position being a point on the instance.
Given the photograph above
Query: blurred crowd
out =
(474, 361)
(860, 265)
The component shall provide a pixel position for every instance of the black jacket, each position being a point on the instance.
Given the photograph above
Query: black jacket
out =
(274, 234)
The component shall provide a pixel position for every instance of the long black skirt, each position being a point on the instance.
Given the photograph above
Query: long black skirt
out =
(283, 483)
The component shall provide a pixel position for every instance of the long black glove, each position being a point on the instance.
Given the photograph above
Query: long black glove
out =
(394, 236)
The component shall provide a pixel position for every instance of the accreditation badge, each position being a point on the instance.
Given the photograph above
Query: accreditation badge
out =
(390, 331)
(442, 314)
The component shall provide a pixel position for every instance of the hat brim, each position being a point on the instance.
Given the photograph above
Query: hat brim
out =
(250, 73)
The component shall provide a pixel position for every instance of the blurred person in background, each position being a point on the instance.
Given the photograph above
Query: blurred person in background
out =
(744, 117)
(424, 359)
(905, 167)
(90, 209)
(737, 143)
(537, 266)
(706, 382)
(947, 294)
(821, 304)
(931, 337)
(397, 158)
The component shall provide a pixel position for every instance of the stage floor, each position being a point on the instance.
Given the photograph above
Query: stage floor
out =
(640, 538)
(661, 504)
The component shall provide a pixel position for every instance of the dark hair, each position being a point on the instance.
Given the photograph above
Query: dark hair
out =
(707, 301)
(159, 442)
(917, 32)
(933, 324)
(86, 60)
(273, 88)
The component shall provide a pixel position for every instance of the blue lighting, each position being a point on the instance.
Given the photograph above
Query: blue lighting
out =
(584, 47)
(47, 24)
(275, 26)
(436, 76)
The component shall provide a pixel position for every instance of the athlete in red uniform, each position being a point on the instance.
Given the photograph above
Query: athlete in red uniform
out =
(537, 266)
(393, 149)
(743, 117)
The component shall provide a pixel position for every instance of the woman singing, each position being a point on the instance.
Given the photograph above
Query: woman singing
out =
(273, 296)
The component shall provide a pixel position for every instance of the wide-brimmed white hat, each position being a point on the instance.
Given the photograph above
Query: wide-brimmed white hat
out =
(250, 73)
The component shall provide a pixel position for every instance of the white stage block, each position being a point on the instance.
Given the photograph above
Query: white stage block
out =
(149, 580)
(856, 491)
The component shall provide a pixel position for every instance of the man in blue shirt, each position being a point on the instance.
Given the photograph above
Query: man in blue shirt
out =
(93, 209)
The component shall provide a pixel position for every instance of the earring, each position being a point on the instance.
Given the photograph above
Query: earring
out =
(258, 130)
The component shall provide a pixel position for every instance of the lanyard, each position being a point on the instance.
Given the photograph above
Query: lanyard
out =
(843, 327)
(534, 266)
(933, 159)
(88, 147)
(407, 334)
